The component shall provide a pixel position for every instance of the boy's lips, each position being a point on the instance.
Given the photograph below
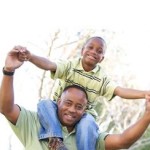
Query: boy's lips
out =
(91, 57)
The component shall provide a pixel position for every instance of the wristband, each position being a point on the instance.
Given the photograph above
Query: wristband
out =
(7, 73)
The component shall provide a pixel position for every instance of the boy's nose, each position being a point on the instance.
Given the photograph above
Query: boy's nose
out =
(94, 51)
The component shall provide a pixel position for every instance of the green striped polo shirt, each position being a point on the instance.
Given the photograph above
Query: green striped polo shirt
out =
(27, 129)
(95, 82)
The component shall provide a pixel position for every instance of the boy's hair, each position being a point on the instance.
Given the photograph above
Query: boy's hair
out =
(93, 38)
(76, 87)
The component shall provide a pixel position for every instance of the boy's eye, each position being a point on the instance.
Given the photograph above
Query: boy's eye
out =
(99, 51)
(90, 47)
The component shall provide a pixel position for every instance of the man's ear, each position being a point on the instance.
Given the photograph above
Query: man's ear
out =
(58, 101)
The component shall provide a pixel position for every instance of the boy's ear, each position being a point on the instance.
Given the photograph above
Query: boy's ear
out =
(82, 51)
(102, 59)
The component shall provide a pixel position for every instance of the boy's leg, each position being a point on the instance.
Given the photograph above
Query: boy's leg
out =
(87, 132)
(50, 125)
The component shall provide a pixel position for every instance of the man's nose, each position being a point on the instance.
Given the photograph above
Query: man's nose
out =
(72, 109)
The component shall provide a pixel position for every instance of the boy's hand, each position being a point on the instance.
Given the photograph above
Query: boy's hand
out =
(24, 54)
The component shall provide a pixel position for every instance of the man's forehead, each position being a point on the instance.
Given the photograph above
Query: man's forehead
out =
(74, 96)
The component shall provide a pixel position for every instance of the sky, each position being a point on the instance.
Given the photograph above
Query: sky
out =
(22, 21)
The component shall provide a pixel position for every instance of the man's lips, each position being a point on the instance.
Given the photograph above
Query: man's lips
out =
(69, 117)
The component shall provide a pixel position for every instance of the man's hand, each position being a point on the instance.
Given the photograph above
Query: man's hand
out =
(12, 61)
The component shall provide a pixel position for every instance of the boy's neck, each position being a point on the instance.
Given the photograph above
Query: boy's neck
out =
(87, 68)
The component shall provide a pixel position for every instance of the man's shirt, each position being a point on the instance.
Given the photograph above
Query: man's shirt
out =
(28, 126)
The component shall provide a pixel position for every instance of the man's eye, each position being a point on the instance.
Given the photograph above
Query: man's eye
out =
(79, 107)
(68, 103)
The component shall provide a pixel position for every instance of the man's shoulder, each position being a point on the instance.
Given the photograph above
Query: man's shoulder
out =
(26, 115)
(101, 141)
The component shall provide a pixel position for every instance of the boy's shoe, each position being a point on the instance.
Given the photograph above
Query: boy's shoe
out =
(56, 144)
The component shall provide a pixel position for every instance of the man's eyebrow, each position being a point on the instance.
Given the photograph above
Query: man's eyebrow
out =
(83, 105)
(67, 100)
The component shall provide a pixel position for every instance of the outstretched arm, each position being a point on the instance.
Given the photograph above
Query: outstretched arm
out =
(7, 106)
(129, 93)
(40, 62)
(131, 134)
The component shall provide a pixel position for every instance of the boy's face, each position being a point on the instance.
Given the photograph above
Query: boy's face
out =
(71, 107)
(93, 51)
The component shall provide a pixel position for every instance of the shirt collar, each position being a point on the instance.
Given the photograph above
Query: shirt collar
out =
(66, 131)
(81, 68)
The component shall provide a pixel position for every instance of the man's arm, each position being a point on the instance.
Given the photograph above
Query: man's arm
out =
(40, 62)
(129, 93)
(7, 106)
(131, 134)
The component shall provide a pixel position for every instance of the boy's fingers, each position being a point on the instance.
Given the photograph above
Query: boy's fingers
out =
(147, 97)
(20, 48)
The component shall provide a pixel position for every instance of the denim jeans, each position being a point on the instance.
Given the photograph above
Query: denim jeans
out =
(87, 130)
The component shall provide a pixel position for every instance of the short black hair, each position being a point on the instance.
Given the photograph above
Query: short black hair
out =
(94, 38)
(76, 87)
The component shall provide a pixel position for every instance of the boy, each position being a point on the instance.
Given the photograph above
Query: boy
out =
(86, 73)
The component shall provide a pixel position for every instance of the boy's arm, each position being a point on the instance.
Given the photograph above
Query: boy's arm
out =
(41, 62)
(131, 134)
(129, 93)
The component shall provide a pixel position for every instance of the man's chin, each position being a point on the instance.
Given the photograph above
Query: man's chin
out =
(69, 124)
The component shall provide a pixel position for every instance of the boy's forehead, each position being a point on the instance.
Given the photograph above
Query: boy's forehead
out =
(98, 41)
(95, 39)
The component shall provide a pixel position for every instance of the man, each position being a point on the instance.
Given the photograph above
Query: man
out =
(71, 107)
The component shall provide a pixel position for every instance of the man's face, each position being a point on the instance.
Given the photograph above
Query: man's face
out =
(93, 52)
(71, 107)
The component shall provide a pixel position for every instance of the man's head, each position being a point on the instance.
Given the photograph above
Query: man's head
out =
(93, 52)
(72, 105)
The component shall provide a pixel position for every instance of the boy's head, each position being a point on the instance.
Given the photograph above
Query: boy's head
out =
(93, 52)
(71, 106)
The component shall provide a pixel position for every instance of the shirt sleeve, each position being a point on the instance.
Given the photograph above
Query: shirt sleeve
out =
(62, 67)
(109, 91)
(25, 126)
(107, 87)
(100, 145)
